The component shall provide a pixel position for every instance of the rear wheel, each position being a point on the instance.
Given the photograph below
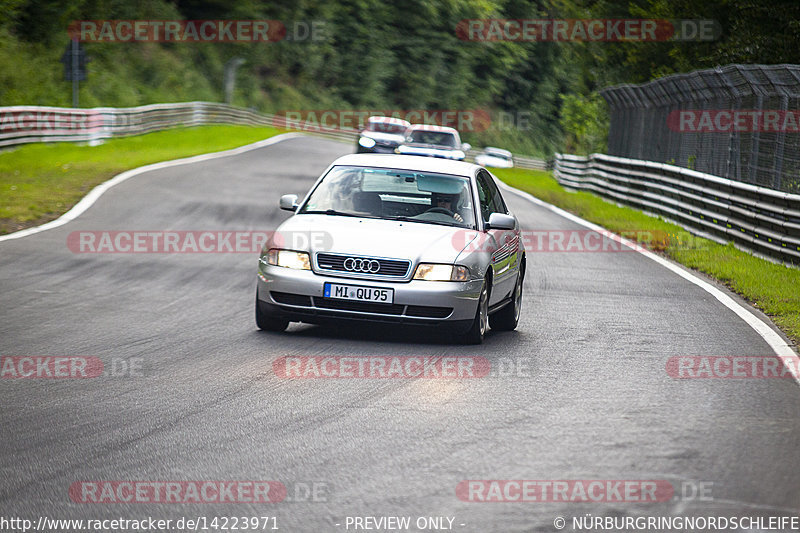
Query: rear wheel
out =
(481, 323)
(507, 318)
(268, 323)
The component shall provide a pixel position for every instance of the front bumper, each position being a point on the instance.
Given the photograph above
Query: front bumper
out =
(297, 295)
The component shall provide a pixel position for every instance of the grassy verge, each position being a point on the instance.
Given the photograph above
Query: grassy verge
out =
(40, 182)
(775, 289)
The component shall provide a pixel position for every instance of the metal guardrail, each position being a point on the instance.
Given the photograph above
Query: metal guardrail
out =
(758, 219)
(29, 124)
(531, 163)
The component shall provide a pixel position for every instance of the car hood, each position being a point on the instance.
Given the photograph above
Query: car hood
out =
(372, 237)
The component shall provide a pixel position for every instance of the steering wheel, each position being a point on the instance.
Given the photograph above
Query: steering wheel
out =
(442, 210)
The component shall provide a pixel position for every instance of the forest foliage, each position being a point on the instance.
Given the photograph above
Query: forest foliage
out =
(371, 54)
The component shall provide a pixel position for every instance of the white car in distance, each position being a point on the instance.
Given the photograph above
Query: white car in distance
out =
(495, 157)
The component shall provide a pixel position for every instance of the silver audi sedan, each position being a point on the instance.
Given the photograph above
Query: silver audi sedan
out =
(395, 238)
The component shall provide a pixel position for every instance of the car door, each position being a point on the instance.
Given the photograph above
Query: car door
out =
(504, 244)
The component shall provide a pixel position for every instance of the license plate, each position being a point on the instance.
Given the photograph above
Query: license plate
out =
(358, 293)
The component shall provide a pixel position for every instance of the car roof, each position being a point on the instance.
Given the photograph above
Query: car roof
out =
(389, 120)
(409, 162)
(434, 127)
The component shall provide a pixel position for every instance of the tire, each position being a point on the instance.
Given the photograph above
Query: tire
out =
(269, 323)
(507, 318)
(480, 324)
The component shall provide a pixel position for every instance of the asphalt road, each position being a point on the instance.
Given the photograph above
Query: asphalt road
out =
(587, 396)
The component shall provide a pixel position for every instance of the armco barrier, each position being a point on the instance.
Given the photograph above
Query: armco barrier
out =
(762, 220)
(29, 124)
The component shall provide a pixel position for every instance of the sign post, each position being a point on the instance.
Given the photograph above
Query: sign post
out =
(74, 60)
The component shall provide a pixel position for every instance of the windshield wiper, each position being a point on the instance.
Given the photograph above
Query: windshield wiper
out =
(336, 213)
(437, 222)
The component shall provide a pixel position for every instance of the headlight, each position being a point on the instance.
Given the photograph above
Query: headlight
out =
(434, 272)
(366, 142)
(287, 259)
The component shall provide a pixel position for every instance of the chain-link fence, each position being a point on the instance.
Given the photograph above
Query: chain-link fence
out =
(740, 122)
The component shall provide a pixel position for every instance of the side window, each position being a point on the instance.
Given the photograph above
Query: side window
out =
(484, 196)
(498, 205)
(495, 203)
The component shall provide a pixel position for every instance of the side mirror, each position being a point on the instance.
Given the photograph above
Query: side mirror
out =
(289, 202)
(466, 147)
(501, 221)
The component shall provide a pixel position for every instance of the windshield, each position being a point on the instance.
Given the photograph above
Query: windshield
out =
(498, 155)
(440, 138)
(393, 195)
(386, 127)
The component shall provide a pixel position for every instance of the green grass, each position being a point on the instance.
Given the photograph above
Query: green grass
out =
(773, 288)
(39, 182)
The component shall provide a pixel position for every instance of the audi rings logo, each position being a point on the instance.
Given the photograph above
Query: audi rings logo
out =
(356, 264)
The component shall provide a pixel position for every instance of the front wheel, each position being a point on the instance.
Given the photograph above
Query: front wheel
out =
(507, 318)
(268, 323)
(477, 332)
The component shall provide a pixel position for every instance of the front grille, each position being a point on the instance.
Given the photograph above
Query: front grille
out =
(329, 307)
(388, 267)
(364, 307)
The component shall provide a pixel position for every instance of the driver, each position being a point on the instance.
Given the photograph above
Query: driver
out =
(448, 202)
